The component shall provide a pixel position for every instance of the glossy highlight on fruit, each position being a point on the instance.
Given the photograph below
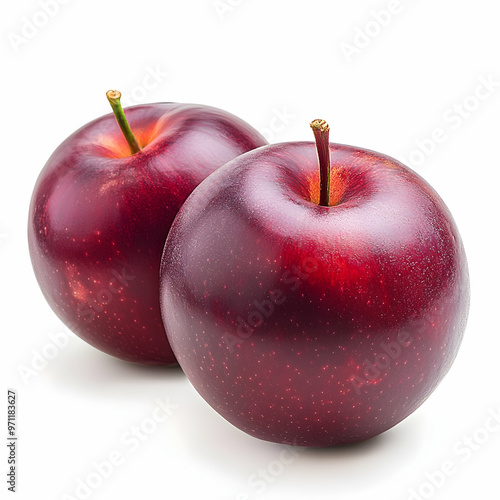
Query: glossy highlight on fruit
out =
(307, 324)
(99, 217)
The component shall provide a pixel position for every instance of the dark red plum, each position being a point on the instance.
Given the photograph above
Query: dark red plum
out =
(310, 324)
(99, 217)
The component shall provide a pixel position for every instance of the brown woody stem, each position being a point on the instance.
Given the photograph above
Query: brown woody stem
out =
(321, 131)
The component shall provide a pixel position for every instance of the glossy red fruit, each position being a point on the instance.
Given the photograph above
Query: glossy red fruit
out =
(99, 217)
(308, 324)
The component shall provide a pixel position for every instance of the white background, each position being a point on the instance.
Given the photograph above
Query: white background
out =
(261, 60)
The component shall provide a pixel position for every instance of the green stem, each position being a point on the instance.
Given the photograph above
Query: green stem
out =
(114, 97)
(321, 131)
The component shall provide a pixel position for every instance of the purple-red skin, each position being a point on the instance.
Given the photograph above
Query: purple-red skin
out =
(278, 309)
(99, 218)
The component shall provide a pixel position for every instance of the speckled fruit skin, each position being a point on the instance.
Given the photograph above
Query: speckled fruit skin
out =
(311, 325)
(99, 218)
